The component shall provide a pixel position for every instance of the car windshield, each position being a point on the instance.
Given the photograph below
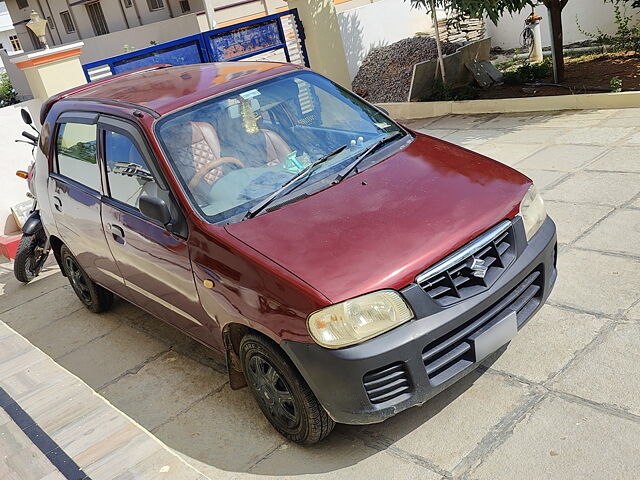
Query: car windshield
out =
(235, 150)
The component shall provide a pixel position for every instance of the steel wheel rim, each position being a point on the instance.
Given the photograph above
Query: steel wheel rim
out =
(78, 280)
(273, 392)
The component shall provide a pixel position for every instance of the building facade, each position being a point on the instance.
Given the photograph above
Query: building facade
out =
(9, 40)
(72, 20)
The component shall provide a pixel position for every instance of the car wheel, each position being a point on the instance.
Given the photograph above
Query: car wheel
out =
(93, 296)
(281, 392)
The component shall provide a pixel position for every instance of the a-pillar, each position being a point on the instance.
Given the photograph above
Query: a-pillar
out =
(323, 39)
(52, 70)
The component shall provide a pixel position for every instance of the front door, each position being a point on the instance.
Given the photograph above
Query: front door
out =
(74, 188)
(154, 263)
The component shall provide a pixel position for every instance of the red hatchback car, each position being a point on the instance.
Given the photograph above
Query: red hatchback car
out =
(347, 267)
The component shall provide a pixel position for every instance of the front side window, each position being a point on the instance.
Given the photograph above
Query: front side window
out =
(128, 174)
(234, 150)
(76, 154)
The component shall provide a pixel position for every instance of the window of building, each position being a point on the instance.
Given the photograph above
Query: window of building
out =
(128, 3)
(67, 22)
(23, 3)
(96, 16)
(155, 5)
(76, 154)
(15, 42)
(128, 174)
(184, 5)
(51, 23)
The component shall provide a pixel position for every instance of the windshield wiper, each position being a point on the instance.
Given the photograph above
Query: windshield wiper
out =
(291, 184)
(349, 168)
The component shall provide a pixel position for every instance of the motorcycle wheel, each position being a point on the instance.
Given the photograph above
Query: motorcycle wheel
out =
(30, 257)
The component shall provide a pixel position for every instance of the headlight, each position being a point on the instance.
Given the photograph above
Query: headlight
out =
(358, 319)
(532, 212)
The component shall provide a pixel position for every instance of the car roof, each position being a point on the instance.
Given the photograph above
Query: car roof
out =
(163, 88)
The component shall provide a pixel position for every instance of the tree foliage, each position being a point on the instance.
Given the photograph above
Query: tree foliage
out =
(494, 9)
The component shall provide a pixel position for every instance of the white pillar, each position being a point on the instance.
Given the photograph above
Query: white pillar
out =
(208, 8)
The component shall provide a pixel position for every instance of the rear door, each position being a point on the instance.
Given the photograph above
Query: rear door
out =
(75, 190)
(155, 263)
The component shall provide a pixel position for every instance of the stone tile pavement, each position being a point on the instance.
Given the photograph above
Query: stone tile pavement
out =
(561, 402)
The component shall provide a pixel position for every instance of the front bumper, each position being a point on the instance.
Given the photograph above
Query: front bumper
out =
(419, 359)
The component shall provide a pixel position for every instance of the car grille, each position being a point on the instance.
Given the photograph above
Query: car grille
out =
(451, 353)
(386, 383)
(454, 278)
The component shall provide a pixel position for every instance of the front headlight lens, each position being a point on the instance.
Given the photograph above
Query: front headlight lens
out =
(533, 212)
(356, 320)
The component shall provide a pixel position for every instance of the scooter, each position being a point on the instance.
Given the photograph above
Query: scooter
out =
(34, 246)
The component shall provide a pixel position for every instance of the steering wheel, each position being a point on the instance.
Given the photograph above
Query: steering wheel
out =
(206, 168)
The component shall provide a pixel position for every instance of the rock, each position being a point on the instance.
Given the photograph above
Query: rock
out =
(385, 73)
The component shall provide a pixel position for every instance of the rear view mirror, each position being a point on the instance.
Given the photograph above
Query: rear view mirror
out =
(155, 209)
(26, 117)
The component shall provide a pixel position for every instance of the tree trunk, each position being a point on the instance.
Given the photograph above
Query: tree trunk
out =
(434, 18)
(555, 16)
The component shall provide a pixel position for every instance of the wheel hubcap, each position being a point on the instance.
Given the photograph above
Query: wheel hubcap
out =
(272, 392)
(78, 280)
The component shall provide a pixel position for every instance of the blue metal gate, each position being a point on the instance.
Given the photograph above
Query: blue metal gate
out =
(278, 37)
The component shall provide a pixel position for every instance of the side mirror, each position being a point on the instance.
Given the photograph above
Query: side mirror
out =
(155, 209)
(26, 117)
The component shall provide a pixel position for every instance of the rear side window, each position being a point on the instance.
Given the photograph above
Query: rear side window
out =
(127, 172)
(76, 154)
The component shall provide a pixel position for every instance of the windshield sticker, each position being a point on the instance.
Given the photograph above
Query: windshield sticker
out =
(382, 125)
(250, 94)
(291, 164)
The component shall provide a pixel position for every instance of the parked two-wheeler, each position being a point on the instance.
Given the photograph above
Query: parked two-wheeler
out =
(34, 247)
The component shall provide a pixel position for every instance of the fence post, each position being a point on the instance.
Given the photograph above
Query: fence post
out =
(323, 39)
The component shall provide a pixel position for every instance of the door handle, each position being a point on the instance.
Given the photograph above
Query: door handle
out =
(57, 203)
(118, 233)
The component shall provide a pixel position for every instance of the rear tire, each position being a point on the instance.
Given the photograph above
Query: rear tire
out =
(281, 392)
(93, 296)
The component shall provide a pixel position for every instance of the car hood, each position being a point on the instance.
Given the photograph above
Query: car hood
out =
(380, 228)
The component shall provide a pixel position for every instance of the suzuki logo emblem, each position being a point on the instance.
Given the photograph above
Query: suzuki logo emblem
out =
(478, 267)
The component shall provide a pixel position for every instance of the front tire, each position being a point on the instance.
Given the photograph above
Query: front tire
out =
(281, 392)
(30, 257)
(93, 296)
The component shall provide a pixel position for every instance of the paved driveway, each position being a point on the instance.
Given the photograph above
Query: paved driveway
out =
(562, 402)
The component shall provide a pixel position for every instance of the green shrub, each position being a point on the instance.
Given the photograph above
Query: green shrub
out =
(444, 93)
(8, 94)
(627, 36)
(616, 84)
(529, 73)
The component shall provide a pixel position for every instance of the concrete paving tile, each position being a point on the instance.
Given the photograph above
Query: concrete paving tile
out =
(162, 388)
(473, 136)
(542, 178)
(448, 427)
(460, 122)
(161, 465)
(506, 153)
(106, 358)
(636, 203)
(634, 312)
(42, 310)
(541, 136)
(627, 113)
(595, 136)
(602, 188)
(67, 334)
(20, 459)
(14, 293)
(634, 139)
(547, 343)
(621, 159)
(596, 282)
(610, 373)
(40, 375)
(572, 220)
(437, 133)
(513, 122)
(564, 440)
(619, 232)
(339, 457)
(564, 158)
(215, 429)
